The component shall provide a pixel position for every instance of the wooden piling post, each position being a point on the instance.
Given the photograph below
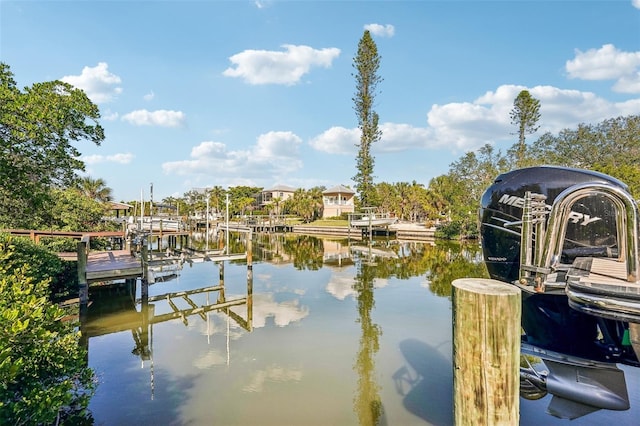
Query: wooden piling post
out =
(486, 352)
(249, 281)
(144, 285)
(249, 251)
(83, 286)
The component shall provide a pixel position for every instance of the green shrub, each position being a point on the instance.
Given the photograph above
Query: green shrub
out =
(43, 373)
(449, 231)
(18, 251)
(59, 244)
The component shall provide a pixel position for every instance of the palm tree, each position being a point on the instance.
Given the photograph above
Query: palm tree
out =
(96, 189)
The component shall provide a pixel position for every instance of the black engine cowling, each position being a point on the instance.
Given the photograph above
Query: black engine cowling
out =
(591, 227)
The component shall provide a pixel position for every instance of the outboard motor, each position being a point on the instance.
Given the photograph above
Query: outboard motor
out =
(591, 230)
(547, 229)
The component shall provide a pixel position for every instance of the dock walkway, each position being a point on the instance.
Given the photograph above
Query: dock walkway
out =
(117, 264)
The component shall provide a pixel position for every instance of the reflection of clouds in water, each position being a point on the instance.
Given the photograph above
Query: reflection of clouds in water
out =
(341, 284)
(380, 282)
(217, 323)
(266, 280)
(210, 359)
(283, 313)
(426, 282)
(272, 374)
(263, 277)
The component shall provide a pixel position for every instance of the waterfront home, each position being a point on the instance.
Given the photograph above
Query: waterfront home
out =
(279, 193)
(337, 201)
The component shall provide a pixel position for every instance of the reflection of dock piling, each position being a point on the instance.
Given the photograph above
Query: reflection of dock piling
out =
(106, 266)
(94, 323)
(486, 352)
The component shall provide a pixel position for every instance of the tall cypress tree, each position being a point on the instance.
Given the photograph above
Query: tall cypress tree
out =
(366, 63)
(525, 115)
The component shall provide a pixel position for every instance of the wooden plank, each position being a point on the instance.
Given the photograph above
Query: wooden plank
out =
(68, 256)
(608, 272)
(116, 264)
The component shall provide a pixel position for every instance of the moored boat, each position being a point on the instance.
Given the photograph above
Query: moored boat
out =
(371, 219)
(568, 238)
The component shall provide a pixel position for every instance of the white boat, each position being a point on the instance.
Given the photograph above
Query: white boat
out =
(372, 219)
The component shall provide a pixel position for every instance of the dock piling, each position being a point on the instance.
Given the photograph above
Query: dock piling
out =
(83, 286)
(486, 352)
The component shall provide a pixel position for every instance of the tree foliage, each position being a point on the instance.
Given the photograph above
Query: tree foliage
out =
(71, 210)
(525, 116)
(95, 189)
(611, 147)
(366, 63)
(458, 193)
(242, 199)
(407, 201)
(37, 129)
(306, 203)
(43, 373)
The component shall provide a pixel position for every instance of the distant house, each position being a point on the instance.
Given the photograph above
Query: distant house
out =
(120, 207)
(337, 200)
(279, 192)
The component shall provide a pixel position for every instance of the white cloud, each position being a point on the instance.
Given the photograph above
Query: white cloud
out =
(395, 137)
(109, 115)
(469, 125)
(98, 83)
(636, 3)
(400, 137)
(336, 140)
(381, 30)
(149, 96)
(607, 63)
(287, 67)
(275, 154)
(261, 4)
(161, 118)
(122, 158)
(465, 126)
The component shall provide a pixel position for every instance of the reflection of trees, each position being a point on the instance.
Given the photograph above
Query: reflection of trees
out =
(450, 261)
(367, 400)
(440, 263)
(304, 251)
(307, 252)
(268, 247)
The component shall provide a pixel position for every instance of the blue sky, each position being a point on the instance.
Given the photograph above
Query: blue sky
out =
(259, 93)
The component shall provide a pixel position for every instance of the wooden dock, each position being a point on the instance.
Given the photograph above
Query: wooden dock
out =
(109, 265)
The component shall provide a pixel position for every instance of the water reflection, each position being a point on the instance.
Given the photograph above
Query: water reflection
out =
(367, 401)
(425, 382)
(378, 261)
(333, 332)
(114, 309)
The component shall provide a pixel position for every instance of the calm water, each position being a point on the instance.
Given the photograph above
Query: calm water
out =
(323, 333)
